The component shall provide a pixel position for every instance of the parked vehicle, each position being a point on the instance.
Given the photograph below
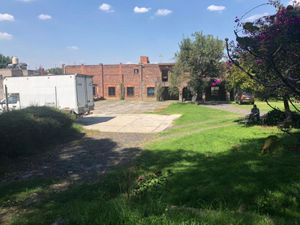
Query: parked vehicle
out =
(73, 93)
(244, 97)
(13, 102)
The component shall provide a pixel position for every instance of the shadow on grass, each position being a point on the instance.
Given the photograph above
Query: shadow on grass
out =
(246, 122)
(86, 121)
(240, 186)
(215, 103)
(235, 178)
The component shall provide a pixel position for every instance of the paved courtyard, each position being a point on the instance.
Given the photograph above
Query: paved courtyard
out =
(128, 123)
(129, 107)
(128, 117)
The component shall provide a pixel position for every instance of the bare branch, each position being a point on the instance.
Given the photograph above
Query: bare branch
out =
(284, 80)
(245, 71)
(268, 103)
(295, 107)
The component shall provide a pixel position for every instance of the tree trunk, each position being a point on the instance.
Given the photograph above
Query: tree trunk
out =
(287, 110)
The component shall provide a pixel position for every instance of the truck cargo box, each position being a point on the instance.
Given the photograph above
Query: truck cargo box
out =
(73, 92)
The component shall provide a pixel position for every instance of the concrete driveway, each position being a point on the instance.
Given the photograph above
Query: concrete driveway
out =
(128, 117)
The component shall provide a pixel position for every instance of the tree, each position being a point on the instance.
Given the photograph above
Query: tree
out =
(55, 71)
(4, 61)
(236, 80)
(200, 57)
(269, 48)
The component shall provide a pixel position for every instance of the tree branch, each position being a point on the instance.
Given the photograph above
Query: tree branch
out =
(267, 101)
(295, 107)
(285, 81)
(243, 70)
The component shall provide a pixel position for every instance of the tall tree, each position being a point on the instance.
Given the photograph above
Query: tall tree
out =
(4, 61)
(238, 81)
(199, 56)
(270, 47)
(55, 71)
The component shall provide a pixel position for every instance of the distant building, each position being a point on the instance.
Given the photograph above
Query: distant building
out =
(9, 72)
(127, 81)
(15, 69)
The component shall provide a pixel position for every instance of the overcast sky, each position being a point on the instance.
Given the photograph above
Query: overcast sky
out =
(53, 32)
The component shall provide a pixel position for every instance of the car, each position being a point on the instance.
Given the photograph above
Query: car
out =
(244, 97)
(13, 103)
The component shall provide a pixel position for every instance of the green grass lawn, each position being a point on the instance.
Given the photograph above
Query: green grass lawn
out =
(263, 106)
(205, 170)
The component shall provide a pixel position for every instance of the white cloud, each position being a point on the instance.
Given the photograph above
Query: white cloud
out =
(26, 1)
(74, 48)
(255, 17)
(163, 12)
(294, 2)
(5, 36)
(216, 8)
(141, 9)
(106, 8)
(6, 17)
(44, 17)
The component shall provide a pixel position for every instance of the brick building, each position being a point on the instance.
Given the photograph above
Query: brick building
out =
(126, 81)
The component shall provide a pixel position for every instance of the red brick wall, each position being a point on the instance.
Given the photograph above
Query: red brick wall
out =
(105, 76)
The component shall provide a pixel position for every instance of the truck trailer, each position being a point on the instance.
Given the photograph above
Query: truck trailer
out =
(73, 93)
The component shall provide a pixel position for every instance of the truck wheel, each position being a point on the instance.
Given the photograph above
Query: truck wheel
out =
(74, 114)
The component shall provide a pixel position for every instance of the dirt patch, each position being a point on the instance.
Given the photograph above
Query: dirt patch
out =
(80, 160)
(83, 160)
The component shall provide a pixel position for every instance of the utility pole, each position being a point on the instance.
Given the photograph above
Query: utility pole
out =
(6, 98)
(142, 81)
(56, 105)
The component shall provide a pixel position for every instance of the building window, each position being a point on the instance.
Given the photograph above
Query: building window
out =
(150, 91)
(130, 91)
(136, 71)
(165, 75)
(94, 90)
(111, 91)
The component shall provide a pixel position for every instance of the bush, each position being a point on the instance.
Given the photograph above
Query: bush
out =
(274, 117)
(277, 117)
(296, 120)
(28, 131)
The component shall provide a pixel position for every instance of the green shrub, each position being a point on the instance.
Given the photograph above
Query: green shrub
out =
(296, 120)
(28, 131)
(152, 183)
(276, 117)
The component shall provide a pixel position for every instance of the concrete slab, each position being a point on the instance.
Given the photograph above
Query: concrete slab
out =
(128, 123)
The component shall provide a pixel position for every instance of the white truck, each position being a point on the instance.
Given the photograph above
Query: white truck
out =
(73, 93)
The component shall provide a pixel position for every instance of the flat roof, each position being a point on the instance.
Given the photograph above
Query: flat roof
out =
(124, 64)
(54, 75)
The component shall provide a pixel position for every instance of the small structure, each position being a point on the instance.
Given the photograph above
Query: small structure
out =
(15, 69)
